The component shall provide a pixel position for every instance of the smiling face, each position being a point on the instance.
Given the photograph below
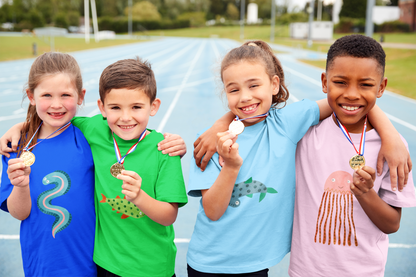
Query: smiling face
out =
(56, 99)
(353, 86)
(249, 90)
(128, 111)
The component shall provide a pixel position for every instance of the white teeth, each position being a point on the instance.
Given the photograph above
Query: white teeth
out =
(249, 108)
(350, 108)
(127, 127)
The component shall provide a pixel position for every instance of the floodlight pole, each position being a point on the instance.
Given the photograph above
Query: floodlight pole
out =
(87, 21)
(242, 10)
(310, 11)
(130, 18)
(273, 20)
(94, 20)
(319, 15)
(369, 26)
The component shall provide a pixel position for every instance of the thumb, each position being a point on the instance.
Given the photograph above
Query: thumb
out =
(221, 161)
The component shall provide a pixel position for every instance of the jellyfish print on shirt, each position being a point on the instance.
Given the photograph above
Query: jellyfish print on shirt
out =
(335, 222)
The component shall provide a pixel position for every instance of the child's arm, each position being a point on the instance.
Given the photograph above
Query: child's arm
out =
(13, 136)
(19, 203)
(215, 200)
(161, 212)
(173, 145)
(384, 216)
(392, 149)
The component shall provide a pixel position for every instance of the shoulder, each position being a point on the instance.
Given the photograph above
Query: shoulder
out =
(154, 136)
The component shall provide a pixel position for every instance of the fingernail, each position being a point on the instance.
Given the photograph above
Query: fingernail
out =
(394, 189)
(163, 152)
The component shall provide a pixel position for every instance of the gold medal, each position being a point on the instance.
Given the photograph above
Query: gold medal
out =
(357, 162)
(116, 169)
(236, 127)
(28, 158)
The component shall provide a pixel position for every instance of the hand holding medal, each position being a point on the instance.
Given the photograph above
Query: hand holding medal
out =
(119, 165)
(227, 148)
(357, 161)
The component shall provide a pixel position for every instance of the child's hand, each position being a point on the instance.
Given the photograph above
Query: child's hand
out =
(173, 145)
(132, 184)
(18, 173)
(227, 148)
(363, 181)
(204, 147)
(13, 136)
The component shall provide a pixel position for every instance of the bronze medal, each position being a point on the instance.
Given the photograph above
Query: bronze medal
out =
(236, 127)
(357, 162)
(28, 158)
(116, 169)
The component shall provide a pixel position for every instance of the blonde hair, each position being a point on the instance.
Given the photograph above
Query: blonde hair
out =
(46, 65)
(259, 51)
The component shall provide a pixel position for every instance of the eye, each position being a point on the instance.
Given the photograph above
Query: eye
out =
(333, 180)
(137, 107)
(115, 108)
(339, 82)
(66, 95)
(368, 85)
(46, 95)
(348, 181)
(254, 86)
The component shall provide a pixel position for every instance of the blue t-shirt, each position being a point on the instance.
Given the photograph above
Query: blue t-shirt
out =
(57, 239)
(255, 231)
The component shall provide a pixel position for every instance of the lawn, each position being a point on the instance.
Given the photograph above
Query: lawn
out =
(12, 48)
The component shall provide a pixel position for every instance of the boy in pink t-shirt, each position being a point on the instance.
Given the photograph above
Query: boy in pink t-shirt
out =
(343, 213)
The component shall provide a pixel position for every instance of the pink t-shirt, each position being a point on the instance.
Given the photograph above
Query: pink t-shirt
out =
(332, 235)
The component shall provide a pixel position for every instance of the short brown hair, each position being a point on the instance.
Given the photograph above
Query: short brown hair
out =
(128, 74)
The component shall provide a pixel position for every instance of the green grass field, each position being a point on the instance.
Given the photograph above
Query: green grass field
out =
(400, 69)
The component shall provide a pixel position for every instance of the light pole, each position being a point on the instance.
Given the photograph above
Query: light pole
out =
(242, 10)
(130, 19)
(273, 20)
(369, 26)
(310, 11)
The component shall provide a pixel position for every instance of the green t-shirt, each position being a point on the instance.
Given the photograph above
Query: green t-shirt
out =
(128, 243)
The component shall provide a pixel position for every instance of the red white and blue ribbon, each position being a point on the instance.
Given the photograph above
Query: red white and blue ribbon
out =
(257, 116)
(27, 148)
(120, 159)
(347, 135)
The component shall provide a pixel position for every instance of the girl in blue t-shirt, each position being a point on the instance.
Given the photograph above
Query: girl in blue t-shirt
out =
(245, 218)
(49, 183)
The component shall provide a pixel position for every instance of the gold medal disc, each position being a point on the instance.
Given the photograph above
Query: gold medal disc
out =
(357, 162)
(236, 127)
(28, 158)
(116, 169)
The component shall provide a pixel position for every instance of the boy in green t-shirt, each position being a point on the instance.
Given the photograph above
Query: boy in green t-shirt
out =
(134, 234)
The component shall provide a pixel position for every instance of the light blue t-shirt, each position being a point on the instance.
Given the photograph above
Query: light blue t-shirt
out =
(255, 231)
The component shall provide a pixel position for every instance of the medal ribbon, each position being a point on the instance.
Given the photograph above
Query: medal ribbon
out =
(120, 159)
(27, 148)
(257, 116)
(347, 135)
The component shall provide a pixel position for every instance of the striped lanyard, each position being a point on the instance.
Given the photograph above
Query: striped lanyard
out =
(257, 116)
(347, 135)
(27, 148)
(120, 159)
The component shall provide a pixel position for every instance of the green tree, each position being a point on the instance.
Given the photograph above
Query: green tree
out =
(61, 20)
(353, 9)
(73, 18)
(35, 18)
(109, 8)
(196, 19)
(46, 8)
(144, 11)
(232, 12)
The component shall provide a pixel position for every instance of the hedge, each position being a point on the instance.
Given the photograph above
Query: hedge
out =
(348, 25)
(120, 25)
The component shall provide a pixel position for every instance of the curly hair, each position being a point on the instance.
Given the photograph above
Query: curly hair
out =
(357, 46)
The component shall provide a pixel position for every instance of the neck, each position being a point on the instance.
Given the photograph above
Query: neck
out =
(356, 128)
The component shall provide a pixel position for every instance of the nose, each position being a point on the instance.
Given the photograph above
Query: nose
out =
(125, 117)
(246, 95)
(352, 93)
(56, 103)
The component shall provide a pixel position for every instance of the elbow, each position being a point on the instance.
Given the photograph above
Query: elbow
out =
(212, 217)
(393, 228)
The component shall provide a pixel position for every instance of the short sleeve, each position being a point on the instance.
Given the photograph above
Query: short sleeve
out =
(81, 122)
(296, 118)
(170, 185)
(400, 199)
(201, 180)
(5, 186)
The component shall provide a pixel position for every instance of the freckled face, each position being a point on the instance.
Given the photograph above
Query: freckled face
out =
(249, 90)
(128, 111)
(353, 86)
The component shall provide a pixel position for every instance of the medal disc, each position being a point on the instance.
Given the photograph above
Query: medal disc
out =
(116, 169)
(236, 127)
(28, 158)
(357, 162)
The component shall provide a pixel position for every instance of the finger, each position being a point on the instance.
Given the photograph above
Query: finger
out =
(167, 145)
(131, 174)
(393, 179)
(15, 142)
(380, 164)
(179, 152)
(166, 135)
(406, 174)
(198, 154)
(401, 177)
(369, 170)
(5, 151)
(409, 163)
(206, 159)
(221, 161)
(196, 142)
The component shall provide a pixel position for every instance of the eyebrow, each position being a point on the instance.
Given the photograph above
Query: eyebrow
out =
(247, 81)
(362, 79)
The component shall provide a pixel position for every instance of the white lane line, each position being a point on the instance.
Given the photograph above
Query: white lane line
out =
(19, 111)
(159, 66)
(216, 52)
(391, 117)
(178, 93)
(407, 99)
(188, 85)
(10, 117)
(184, 240)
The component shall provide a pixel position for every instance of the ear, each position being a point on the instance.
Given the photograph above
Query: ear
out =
(275, 84)
(81, 96)
(324, 82)
(101, 107)
(382, 87)
(31, 97)
(154, 107)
